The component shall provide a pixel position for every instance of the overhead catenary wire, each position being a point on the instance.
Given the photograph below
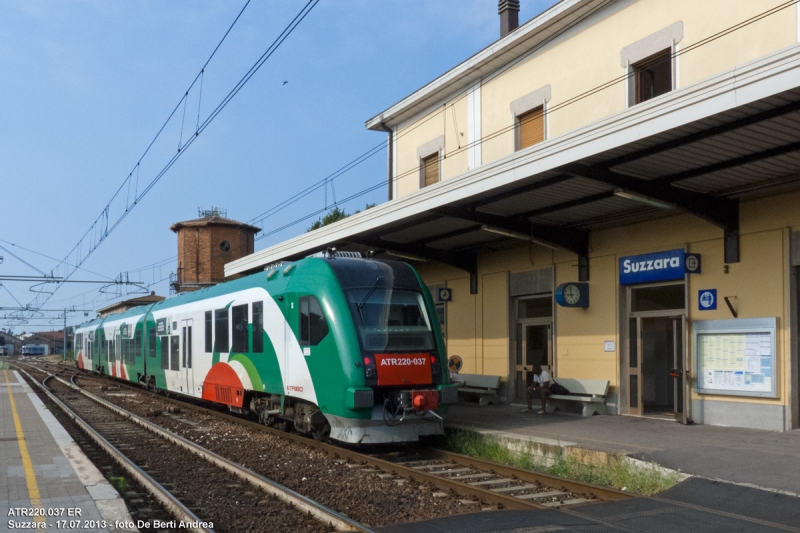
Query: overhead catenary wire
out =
(103, 223)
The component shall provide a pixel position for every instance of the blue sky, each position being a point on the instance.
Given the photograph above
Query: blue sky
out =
(87, 84)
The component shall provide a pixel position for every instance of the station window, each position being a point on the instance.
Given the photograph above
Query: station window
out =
(165, 352)
(430, 169)
(221, 330)
(258, 327)
(530, 127)
(152, 341)
(541, 307)
(209, 332)
(313, 327)
(653, 76)
(240, 323)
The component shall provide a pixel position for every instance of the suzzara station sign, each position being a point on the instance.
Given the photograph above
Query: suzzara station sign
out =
(659, 266)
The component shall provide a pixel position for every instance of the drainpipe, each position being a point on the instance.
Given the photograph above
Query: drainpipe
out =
(389, 130)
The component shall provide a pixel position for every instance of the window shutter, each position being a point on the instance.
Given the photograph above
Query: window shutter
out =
(531, 127)
(430, 166)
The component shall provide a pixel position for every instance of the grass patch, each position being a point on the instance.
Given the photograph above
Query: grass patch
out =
(618, 473)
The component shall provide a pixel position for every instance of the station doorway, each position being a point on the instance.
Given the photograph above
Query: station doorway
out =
(657, 351)
(533, 341)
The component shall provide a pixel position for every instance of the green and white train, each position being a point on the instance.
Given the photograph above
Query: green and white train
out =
(341, 346)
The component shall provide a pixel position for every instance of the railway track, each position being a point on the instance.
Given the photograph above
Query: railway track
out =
(198, 486)
(480, 483)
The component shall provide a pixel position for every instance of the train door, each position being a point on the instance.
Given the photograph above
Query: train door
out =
(186, 359)
(117, 352)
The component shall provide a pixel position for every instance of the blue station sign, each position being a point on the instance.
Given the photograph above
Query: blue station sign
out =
(646, 268)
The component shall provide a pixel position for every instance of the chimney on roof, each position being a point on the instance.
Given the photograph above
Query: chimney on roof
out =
(509, 16)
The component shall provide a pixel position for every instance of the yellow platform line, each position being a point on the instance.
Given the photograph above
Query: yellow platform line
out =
(30, 475)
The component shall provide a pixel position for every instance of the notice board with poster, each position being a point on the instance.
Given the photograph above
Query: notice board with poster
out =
(735, 357)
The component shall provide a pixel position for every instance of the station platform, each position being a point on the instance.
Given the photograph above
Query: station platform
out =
(42, 467)
(762, 459)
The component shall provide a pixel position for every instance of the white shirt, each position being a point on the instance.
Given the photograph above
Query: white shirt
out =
(544, 377)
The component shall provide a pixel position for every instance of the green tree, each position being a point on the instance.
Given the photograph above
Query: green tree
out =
(334, 215)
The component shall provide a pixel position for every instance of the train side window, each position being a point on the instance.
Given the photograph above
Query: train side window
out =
(240, 322)
(137, 344)
(221, 330)
(165, 352)
(174, 348)
(313, 327)
(152, 338)
(305, 336)
(208, 332)
(258, 327)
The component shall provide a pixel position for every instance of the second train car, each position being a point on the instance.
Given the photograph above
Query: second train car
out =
(333, 346)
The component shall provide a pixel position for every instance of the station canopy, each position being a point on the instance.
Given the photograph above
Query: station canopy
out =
(700, 149)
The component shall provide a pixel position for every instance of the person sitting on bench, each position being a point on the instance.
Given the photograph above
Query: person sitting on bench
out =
(540, 388)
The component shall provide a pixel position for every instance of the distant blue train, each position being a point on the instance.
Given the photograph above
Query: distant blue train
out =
(35, 349)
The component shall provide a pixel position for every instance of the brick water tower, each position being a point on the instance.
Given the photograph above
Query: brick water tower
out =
(205, 245)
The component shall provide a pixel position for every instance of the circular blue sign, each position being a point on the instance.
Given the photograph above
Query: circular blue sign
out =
(707, 299)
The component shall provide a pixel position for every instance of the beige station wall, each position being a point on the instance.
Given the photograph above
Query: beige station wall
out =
(478, 325)
(588, 57)
(448, 121)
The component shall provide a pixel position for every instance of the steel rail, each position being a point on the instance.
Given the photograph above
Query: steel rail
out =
(170, 502)
(297, 500)
(459, 487)
(603, 493)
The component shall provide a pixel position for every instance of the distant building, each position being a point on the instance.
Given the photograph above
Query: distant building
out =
(53, 339)
(9, 344)
(205, 245)
(121, 307)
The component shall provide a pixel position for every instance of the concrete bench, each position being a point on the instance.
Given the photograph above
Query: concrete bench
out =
(484, 386)
(590, 392)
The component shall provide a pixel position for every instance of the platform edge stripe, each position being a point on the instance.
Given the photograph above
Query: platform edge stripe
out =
(159, 492)
(30, 475)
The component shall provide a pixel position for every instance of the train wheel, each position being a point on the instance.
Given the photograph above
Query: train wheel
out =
(282, 425)
(322, 434)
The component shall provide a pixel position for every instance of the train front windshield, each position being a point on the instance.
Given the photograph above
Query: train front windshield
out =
(387, 305)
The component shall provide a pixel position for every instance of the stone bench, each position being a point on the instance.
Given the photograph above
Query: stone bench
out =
(484, 386)
(590, 392)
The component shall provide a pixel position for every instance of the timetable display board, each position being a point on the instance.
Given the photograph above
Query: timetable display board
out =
(735, 357)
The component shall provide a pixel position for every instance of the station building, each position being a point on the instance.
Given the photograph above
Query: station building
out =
(611, 190)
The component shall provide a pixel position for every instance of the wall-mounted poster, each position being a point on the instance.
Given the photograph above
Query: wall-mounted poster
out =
(735, 357)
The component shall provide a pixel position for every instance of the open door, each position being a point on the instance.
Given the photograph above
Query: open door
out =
(533, 347)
